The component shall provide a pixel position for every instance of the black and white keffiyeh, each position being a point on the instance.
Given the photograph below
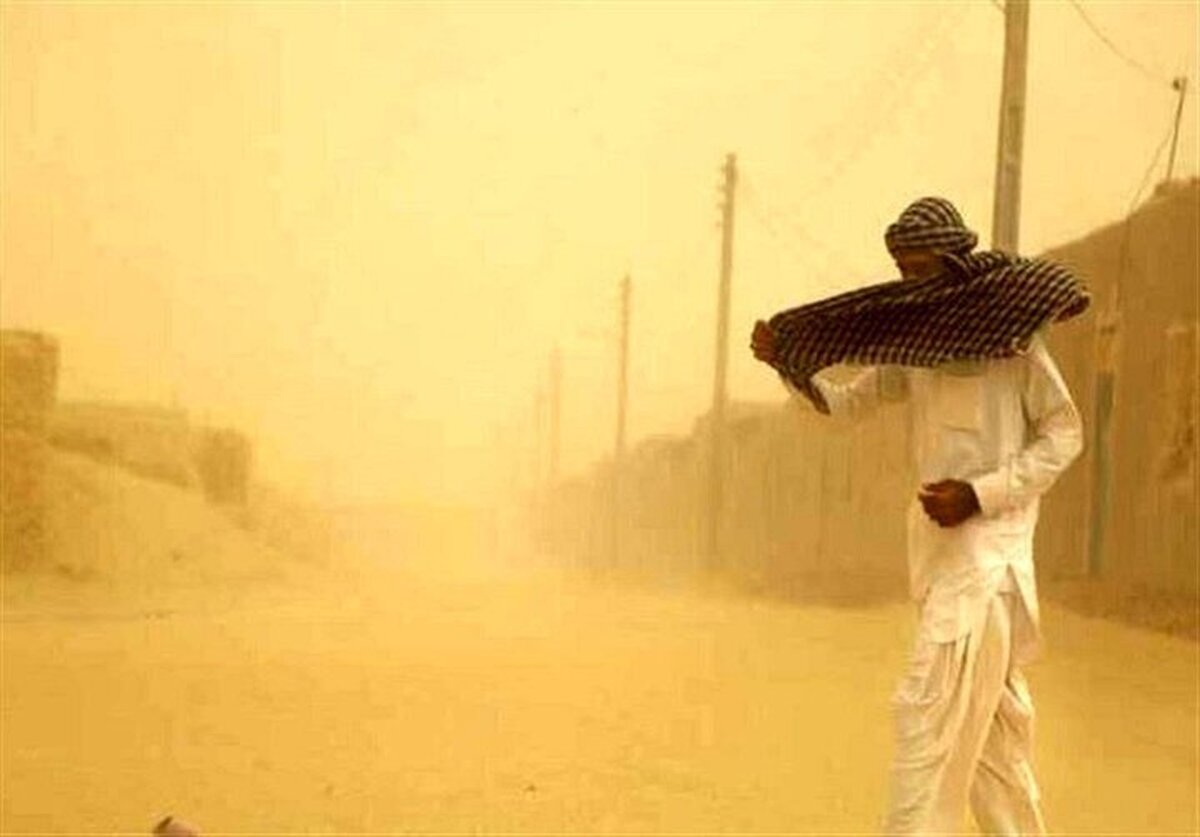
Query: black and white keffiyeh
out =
(933, 224)
(985, 305)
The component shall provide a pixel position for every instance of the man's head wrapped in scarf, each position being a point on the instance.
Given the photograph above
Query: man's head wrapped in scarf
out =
(977, 306)
(930, 224)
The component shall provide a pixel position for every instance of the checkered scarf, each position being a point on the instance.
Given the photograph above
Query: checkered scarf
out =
(930, 223)
(985, 305)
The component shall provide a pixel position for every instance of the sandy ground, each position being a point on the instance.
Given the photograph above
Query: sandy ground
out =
(469, 696)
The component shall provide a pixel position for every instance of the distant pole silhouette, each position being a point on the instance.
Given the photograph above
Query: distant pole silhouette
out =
(539, 410)
(618, 464)
(719, 395)
(555, 412)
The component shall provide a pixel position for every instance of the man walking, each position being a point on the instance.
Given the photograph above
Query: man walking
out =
(993, 427)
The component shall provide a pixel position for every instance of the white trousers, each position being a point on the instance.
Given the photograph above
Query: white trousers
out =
(964, 734)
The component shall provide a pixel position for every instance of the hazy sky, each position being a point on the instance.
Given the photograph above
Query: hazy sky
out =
(356, 230)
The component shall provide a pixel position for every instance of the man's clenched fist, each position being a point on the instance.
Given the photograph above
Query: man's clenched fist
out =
(762, 342)
(949, 502)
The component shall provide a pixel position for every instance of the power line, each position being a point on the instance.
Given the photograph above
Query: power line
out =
(1150, 169)
(1132, 62)
(1128, 221)
(772, 220)
(756, 212)
(767, 220)
(896, 97)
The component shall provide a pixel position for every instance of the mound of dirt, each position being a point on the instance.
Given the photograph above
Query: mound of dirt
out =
(114, 534)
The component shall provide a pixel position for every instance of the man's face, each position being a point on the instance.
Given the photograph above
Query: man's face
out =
(916, 265)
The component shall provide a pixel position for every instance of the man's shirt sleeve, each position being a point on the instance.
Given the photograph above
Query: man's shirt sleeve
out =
(859, 396)
(1055, 439)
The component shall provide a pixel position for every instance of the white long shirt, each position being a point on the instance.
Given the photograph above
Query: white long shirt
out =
(1009, 428)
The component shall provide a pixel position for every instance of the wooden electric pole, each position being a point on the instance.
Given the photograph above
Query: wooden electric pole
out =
(719, 396)
(1006, 207)
(1180, 85)
(622, 403)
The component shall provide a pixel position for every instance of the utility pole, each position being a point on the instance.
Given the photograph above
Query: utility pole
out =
(539, 410)
(717, 414)
(1006, 205)
(555, 411)
(1180, 86)
(622, 403)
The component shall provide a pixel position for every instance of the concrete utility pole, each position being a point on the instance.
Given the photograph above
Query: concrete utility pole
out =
(622, 403)
(1180, 85)
(555, 411)
(717, 414)
(1006, 207)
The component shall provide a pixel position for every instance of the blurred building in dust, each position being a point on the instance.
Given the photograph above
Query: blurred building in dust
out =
(147, 439)
(157, 442)
(223, 464)
(154, 442)
(28, 386)
(811, 503)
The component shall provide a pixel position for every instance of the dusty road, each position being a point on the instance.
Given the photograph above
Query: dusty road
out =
(471, 699)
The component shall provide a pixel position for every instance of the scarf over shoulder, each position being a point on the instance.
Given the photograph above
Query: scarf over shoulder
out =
(985, 305)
